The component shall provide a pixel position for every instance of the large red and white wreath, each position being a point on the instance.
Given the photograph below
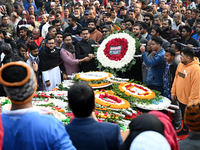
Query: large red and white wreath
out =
(124, 45)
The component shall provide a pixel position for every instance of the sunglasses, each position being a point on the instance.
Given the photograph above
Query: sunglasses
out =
(146, 19)
(104, 31)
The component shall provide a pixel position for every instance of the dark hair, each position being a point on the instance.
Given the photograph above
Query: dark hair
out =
(157, 29)
(149, 15)
(55, 21)
(6, 48)
(187, 28)
(159, 17)
(3, 25)
(112, 9)
(4, 16)
(157, 39)
(170, 50)
(49, 39)
(123, 8)
(195, 10)
(30, 5)
(58, 33)
(108, 14)
(50, 28)
(84, 28)
(144, 25)
(132, 10)
(189, 10)
(73, 17)
(33, 46)
(21, 45)
(177, 45)
(1, 30)
(81, 99)
(139, 25)
(167, 10)
(42, 8)
(131, 21)
(17, 11)
(188, 51)
(66, 35)
(168, 20)
(107, 27)
(110, 23)
(123, 21)
(23, 28)
(91, 21)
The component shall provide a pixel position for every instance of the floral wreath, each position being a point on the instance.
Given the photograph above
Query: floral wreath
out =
(111, 101)
(139, 91)
(116, 52)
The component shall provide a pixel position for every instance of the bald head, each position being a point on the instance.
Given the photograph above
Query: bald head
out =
(36, 33)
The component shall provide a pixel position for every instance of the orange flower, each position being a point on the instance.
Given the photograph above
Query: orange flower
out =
(145, 95)
(78, 76)
(124, 105)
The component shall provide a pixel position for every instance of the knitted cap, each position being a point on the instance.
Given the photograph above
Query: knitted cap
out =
(19, 82)
(192, 116)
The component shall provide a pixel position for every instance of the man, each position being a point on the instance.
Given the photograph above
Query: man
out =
(138, 14)
(123, 12)
(157, 31)
(84, 49)
(43, 21)
(33, 55)
(59, 40)
(191, 118)
(51, 32)
(168, 33)
(10, 28)
(57, 25)
(114, 17)
(158, 20)
(168, 78)
(165, 14)
(86, 4)
(32, 10)
(36, 36)
(105, 30)
(186, 38)
(49, 65)
(78, 15)
(175, 10)
(187, 81)
(107, 17)
(154, 78)
(66, 14)
(59, 10)
(161, 4)
(23, 35)
(177, 47)
(57, 2)
(129, 24)
(183, 11)
(137, 31)
(21, 117)
(123, 25)
(94, 33)
(197, 36)
(188, 13)
(73, 27)
(176, 21)
(47, 25)
(148, 18)
(144, 32)
(86, 17)
(14, 19)
(82, 103)
(194, 13)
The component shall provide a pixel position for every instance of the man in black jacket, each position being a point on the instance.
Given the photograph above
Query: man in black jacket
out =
(84, 49)
(168, 78)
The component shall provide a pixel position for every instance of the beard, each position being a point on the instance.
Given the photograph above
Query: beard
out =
(91, 30)
(69, 45)
(166, 29)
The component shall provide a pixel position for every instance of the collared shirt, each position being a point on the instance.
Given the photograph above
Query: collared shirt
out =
(144, 35)
(32, 59)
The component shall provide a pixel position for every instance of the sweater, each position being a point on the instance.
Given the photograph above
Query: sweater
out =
(186, 84)
(96, 35)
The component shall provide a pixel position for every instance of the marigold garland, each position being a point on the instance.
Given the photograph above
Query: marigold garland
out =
(125, 105)
(129, 86)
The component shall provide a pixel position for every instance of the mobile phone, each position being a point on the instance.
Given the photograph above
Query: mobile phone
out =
(103, 12)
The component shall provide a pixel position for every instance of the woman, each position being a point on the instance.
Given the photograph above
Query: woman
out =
(144, 122)
(67, 54)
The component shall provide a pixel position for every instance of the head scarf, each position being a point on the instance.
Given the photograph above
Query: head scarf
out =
(192, 116)
(144, 122)
(150, 140)
(169, 131)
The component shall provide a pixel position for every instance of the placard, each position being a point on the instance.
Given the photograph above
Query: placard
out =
(115, 50)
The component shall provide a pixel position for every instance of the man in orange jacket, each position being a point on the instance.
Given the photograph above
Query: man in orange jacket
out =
(186, 86)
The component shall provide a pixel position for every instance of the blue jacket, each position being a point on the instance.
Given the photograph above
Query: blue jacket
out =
(32, 131)
(156, 68)
(88, 134)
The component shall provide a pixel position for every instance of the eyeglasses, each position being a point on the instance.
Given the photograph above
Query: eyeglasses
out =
(128, 24)
(146, 19)
(85, 33)
(104, 31)
(50, 43)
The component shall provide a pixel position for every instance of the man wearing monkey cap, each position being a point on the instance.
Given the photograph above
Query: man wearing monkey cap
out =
(25, 128)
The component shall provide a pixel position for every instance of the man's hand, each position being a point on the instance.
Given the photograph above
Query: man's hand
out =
(173, 97)
(142, 48)
(26, 56)
(7, 36)
(64, 76)
(91, 55)
(34, 65)
(189, 45)
(87, 59)
(48, 83)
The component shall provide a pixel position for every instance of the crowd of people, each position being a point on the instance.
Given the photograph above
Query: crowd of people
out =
(57, 38)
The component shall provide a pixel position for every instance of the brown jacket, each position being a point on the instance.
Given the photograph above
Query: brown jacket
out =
(96, 35)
